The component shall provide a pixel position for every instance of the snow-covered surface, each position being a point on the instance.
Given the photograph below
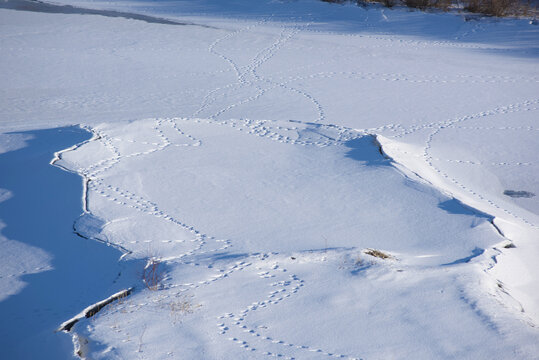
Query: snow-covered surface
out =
(48, 273)
(261, 150)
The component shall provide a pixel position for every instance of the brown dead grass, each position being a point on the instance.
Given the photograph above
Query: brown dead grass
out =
(153, 274)
(378, 254)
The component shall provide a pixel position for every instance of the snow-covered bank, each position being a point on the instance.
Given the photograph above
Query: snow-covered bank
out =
(49, 272)
(516, 264)
(229, 154)
(292, 205)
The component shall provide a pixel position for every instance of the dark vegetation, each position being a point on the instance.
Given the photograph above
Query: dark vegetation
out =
(498, 8)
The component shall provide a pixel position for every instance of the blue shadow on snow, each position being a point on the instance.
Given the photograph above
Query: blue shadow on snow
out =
(367, 151)
(454, 206)
(45, 203)
(475, 253)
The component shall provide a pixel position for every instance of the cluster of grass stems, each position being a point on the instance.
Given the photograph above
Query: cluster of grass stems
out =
(153, 274)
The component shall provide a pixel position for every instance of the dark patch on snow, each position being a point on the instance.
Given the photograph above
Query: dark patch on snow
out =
(518, 193)
(38, 6)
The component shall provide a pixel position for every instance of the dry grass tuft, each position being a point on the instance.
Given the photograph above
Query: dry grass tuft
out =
(153, 274)
(378, 254)
(181, 306)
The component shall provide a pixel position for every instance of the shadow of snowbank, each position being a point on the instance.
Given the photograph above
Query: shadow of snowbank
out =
(44, 204)
(367, 150)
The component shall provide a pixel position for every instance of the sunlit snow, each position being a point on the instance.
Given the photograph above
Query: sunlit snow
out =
(273, 179)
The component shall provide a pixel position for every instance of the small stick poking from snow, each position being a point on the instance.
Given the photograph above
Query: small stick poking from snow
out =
(93, 309)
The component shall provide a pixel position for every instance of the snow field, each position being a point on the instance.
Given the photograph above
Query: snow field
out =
(227, 150)
(291, 191)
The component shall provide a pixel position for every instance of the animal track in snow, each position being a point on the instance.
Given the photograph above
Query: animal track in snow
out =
(124, 197)
(529, 105)
(233, 325)
(247, 76)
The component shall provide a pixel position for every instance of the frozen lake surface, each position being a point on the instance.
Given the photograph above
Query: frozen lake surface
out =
(312, 180)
